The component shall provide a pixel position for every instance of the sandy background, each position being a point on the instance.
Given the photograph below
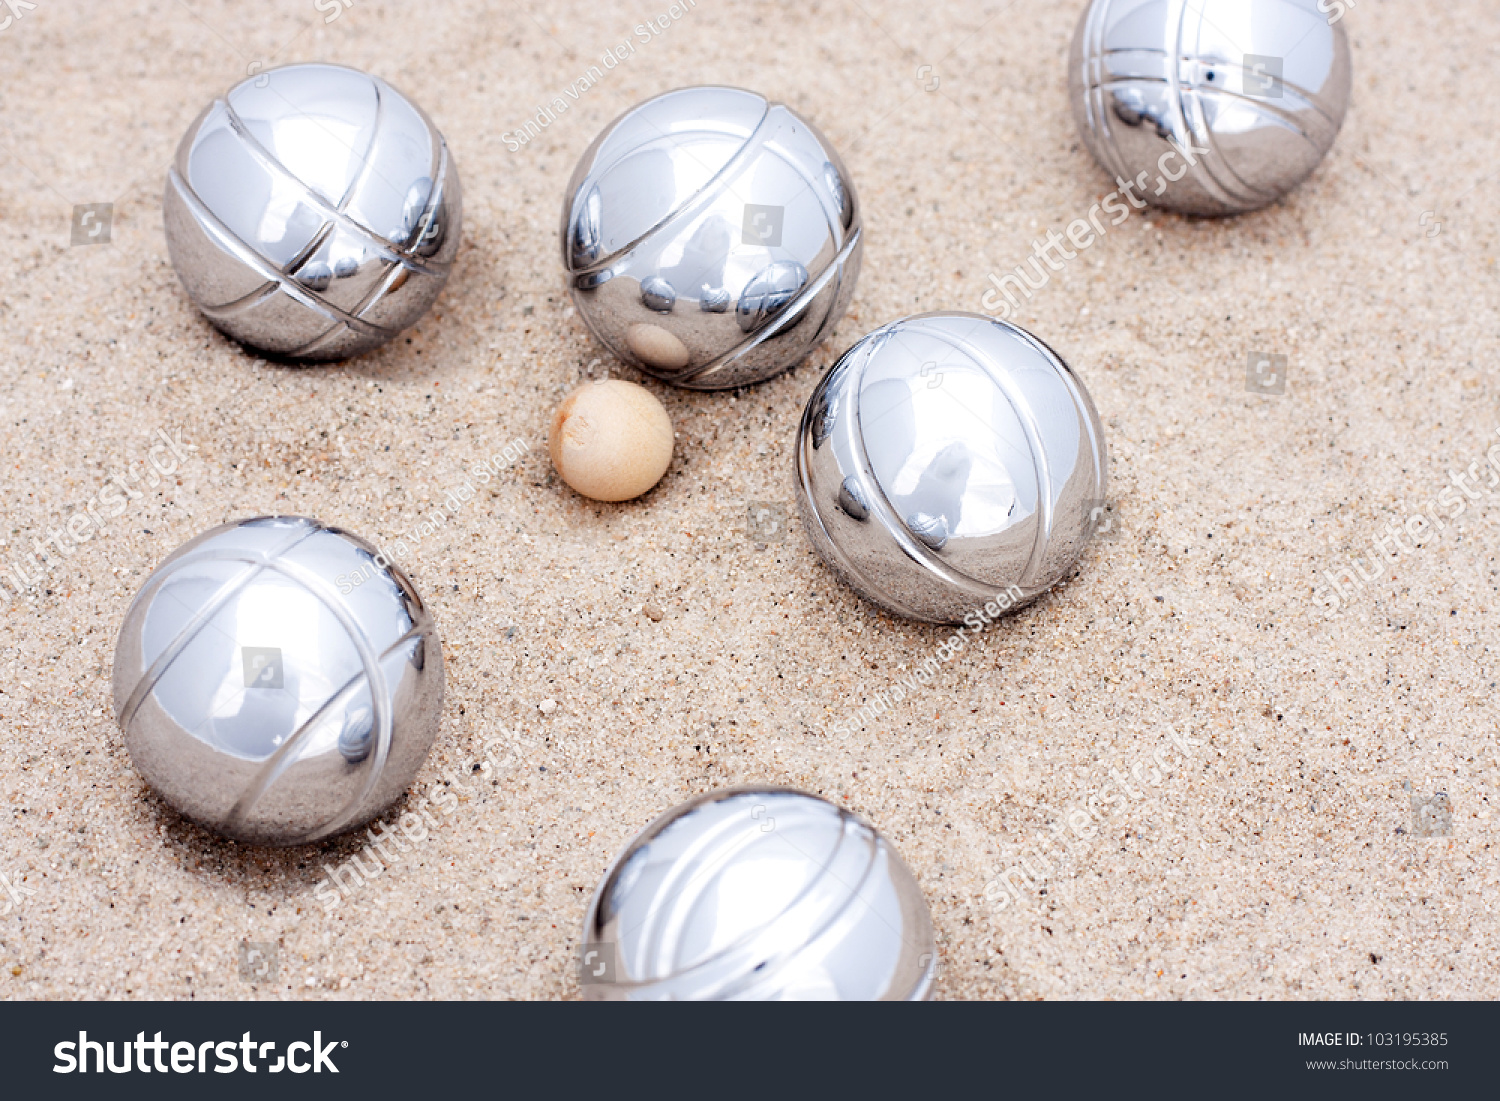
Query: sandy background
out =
(1282, 859)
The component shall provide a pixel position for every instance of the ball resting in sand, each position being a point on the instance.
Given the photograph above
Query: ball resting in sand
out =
(260, 699)
(611, 440)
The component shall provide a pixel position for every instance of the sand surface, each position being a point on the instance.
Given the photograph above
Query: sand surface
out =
(1289, 855)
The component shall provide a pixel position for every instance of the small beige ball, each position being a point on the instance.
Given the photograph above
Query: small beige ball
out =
(611, 440)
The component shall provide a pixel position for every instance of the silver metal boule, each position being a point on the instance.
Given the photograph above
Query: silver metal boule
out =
(1209, 106)
(313, 212)
(711, 238)
(758, 894)
(950, 464)
(278, 680)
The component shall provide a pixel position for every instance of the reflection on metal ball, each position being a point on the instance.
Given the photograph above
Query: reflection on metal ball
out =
(1209, 106)
(950, 464)
(699, 204)
(313, 212)
(278, 680)
(758, 894)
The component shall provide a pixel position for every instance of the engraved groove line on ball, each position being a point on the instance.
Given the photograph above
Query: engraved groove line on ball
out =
(784, 318)
(823, 537)
(1286, 114)
(435, 199)
(275, 765)
(334, 213)
(314, 585)
(268, 271)
(1097, 446)
(894, 523)
(1026, 415)
(841, 919)
(844, 918)
(241, 305)
(657, 944)
(368, 160)
(380, 700)
(279, 761)
(709, 188)
(227, 239)
(1092, 62)
(1306, 94)
(395, 272)
(660, 945)
(661, 927)
(851, 427)
(1216, 169)
(200, 619)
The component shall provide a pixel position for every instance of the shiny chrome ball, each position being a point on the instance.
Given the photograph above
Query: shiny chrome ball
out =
(1209, 106)
(313, 212)
(278, 680)
(758, 894)
(950, 464)
(711, 237)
